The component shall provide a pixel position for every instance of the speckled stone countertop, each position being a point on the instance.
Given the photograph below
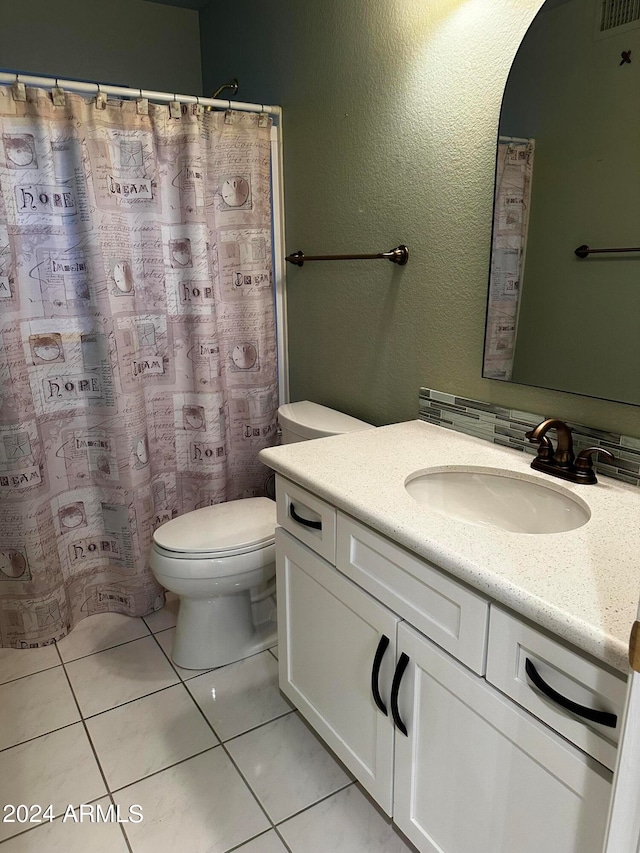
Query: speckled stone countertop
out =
(583, 585)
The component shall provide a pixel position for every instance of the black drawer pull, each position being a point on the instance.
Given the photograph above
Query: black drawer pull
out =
(317, 525)
(395, 689)
(604, 718)
(375, 673)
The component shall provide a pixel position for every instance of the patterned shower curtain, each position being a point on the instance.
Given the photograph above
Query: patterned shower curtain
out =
(512, 204)
(137, 342)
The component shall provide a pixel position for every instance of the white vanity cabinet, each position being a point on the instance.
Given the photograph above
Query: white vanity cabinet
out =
(477, 774)
(328, 636)
(373, 648)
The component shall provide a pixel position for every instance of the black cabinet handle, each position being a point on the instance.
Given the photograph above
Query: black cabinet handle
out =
(604, 718)
(395, 688)
(375, 673)
(317, 525)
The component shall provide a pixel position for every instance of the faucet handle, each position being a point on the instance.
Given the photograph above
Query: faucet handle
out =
(545, 447)
(584, 463)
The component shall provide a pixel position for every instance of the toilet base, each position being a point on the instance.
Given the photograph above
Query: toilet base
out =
(212, 632)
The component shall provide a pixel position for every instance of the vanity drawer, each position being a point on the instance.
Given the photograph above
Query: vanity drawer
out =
(583, 681)
(306, 517)
(450, 614)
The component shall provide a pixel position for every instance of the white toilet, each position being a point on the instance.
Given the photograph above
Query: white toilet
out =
(218, 559)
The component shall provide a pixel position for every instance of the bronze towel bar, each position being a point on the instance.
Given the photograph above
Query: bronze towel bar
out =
(399, 255)
(584, 251)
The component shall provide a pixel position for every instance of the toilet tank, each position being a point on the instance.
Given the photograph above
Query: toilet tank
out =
(304, 420)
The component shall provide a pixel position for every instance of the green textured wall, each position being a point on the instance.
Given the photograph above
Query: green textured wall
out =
(391, 112)
(124, 42)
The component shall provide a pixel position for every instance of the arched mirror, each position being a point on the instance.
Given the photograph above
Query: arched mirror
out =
(568, 176)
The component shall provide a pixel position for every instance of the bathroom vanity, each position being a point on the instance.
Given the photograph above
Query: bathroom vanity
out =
(433, 654)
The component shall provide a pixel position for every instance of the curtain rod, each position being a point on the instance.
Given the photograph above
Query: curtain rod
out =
(512, 139)
(87, 88)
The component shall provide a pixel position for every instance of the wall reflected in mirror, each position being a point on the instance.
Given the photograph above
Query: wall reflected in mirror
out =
(568, 174)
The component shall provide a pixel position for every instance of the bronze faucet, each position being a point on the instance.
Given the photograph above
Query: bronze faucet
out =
(561, 463)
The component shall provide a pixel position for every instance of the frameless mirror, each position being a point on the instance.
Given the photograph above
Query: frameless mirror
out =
(568, 176)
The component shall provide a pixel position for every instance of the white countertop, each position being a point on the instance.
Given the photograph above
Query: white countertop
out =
(582, 585)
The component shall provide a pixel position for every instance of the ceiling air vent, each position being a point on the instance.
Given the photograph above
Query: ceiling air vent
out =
(617, 13)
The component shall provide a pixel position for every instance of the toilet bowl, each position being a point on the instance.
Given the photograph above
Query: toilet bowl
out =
(213, 559)
(219, 559)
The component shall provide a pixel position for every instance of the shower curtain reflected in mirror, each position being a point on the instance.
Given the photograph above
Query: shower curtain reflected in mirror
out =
(137, 343)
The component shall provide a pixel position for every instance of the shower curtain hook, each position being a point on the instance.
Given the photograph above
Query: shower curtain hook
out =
(18, 90)
(142, 105)
(227, 115)
(174, 107)
(57, 95)
(101, 99)
(263, 119)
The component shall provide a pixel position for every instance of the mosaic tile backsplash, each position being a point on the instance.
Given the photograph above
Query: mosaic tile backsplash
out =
(508, 426)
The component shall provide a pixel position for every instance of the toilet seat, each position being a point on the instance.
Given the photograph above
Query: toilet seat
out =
(224, 540)
(211, 555)
(199, 567)
(222, 530)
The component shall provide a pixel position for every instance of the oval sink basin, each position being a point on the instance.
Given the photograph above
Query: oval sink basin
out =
(490, 498)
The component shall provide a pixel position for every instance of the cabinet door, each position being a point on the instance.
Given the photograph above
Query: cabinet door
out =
(329, 633)
(477, 774)
(623, 834)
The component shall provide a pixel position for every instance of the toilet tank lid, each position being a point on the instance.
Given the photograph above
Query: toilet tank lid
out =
(224, 527)
(311, 420)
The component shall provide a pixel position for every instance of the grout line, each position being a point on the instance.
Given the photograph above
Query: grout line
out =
(233, 763)
(122, 829)
(37, 671)
(282, 841)
(200, 672)
(162, 769)
(251, 791)
(161, 630)
(29, 674)
(249, 840)
(321, 800)
(42, 734)
(130, 701)
(95, 754)
(108, 648)
(59, 655)
(254, 728)
(171, 663)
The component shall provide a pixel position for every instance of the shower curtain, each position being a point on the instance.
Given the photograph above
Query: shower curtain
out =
(137, 342)
(512, 203)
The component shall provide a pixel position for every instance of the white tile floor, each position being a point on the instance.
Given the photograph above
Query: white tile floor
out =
(217, 761)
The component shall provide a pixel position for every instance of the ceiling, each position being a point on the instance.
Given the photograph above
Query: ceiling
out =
(184, 4)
